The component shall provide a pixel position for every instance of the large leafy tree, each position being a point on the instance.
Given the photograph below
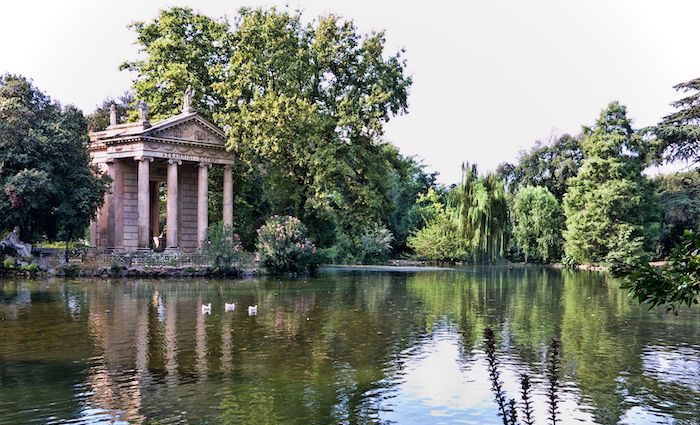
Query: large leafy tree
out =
(538, 220)
(47, 187)
(550, 165)
(181, 49)
(304, 106)
(611, 211)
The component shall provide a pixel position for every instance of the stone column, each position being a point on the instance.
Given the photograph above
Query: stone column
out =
(144, 201)
(202, 202)
(110, 203)
(228, 195)
(118, 195)
(172, 205)
(103, 235)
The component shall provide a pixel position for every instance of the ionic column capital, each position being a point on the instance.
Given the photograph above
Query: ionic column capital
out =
(205, 164)
(143, 158)
(174, 161)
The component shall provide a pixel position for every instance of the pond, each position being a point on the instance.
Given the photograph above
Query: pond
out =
(344, 347)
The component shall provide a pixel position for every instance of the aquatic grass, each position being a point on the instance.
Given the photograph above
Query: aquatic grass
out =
(526, 396)
(553, 360)
(507, 409)
(495, 375)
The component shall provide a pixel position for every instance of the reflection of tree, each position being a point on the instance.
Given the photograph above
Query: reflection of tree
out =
(331, 350)
(602, 332)
(249, 405)
(42, 344)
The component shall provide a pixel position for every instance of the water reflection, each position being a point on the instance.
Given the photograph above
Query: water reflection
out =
(341, 348)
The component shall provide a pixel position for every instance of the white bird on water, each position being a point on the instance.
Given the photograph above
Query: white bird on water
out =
(206, 308)
(229, 306)
(253, 310)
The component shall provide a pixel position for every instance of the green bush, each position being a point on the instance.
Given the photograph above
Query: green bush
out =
(9, 263)
(31, 268)
(223, 248)
(284, 247)
(438, 241)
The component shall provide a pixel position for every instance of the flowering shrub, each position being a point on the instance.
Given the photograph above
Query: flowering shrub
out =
(223, 247)
(375, 244)
(284, 247)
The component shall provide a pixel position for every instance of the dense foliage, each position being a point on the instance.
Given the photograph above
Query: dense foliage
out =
(548, 165)
(678, 134)
(679, 197)
(538, 220)
(223, 248)
(284, 247)
(304, 106)
(674, 284)
(47, 187)
(439, 239)
(479, 207)
(611, 211)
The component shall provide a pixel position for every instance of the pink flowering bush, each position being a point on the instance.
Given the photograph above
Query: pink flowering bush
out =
(223, 248)
(284, 247)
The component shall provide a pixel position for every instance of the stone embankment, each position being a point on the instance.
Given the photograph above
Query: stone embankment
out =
(72, 270)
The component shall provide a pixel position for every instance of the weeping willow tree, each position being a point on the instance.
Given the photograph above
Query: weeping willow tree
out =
(479, 207)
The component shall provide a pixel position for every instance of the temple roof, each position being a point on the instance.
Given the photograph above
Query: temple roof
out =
(164, 130)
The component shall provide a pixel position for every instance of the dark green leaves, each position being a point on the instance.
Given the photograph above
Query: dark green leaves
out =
(47, 186)
(674, 284)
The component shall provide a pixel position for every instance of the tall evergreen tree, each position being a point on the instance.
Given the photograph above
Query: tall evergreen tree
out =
(611, 211)
(678, 134)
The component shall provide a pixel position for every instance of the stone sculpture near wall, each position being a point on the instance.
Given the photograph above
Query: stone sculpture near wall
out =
(11, 241)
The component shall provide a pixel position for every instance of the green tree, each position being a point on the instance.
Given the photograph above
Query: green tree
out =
(304, 106)
(313, 125)
(538, 220)
(679, 197)
(678, 134)
(47, 186)
(611, 211)
(181, 49)
(479, 207)
(548, 165)
(674, 284)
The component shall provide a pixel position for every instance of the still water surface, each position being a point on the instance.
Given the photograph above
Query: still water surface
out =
(344, 347)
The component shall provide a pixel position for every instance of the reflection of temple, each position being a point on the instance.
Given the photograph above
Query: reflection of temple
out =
(172, 156)
(145, 342)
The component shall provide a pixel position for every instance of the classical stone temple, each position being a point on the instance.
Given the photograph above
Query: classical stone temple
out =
(170, 157)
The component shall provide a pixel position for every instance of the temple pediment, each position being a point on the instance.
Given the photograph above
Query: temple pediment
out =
(184, 137)
(190, 128)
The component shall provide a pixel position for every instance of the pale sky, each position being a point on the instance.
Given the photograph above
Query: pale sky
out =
(490, 77)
